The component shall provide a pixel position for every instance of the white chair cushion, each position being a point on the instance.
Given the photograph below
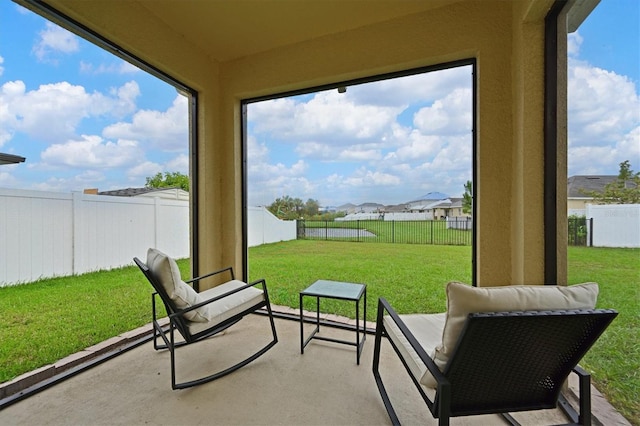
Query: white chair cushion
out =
(165, 270)
(229, 306)
(463, 300)
(426, 328)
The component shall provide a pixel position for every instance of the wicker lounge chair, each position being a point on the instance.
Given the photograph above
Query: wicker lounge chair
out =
(468, 363)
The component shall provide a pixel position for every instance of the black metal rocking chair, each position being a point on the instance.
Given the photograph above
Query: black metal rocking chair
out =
(503, 362)
(229, 302)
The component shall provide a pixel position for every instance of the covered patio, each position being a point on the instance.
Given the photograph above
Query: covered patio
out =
(322, 387)
(223, 54)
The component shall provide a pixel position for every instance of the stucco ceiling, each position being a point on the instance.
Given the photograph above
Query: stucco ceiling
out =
(230, 29)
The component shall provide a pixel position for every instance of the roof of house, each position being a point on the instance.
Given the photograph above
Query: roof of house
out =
(173, 192)
(129, 192)
(581, 185)
(10, 158)
(431, 196)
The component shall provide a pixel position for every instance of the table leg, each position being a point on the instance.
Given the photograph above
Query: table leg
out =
(318, 313)
(301, 328)
(358, 332)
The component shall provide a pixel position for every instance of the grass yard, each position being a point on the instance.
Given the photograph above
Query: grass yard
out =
(48, 320)
(411, 277)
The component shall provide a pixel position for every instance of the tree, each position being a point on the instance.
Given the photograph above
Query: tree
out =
(311, 207)
(168, 180)
(289, 208)
(467, 198)
(624, 190)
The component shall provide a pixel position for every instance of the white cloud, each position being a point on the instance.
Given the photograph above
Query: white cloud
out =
(605, 159)
(360, 155)
(143, 170)
(424, 88)
(604, 115)
(168, 131)
(119, 67)
(179, 163)
(603, 105)
(417, 147)
(368, 178)
(123, 100)
(53, 40)
(361, 134)
(329, 117)
(449, 115)
(574, 41)
(275, 180)
(92, 152)
(8, 180)
(78, 182)
(53, 112)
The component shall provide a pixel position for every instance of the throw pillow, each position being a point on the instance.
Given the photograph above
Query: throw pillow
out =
(165, 270)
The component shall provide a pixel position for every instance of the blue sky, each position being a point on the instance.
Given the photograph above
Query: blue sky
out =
(85, 119)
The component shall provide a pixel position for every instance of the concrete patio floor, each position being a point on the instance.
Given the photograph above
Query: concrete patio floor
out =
(322, 387)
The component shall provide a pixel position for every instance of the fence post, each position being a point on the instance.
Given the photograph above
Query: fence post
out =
(76, 226)
(432, 231)
(590, 232)
(156, 220)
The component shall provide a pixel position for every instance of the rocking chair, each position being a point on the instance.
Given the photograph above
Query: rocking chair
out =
(198, 316)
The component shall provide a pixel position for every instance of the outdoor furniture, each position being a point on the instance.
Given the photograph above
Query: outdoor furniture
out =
(197, 316)
(340, 291)
(482, 357)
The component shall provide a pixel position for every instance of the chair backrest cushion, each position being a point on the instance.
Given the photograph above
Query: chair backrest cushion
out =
(463, 300)
(165, 271)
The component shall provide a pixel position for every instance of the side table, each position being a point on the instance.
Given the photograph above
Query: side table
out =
(340, 291)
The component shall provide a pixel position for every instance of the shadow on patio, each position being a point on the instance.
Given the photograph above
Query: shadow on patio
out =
(322, 387)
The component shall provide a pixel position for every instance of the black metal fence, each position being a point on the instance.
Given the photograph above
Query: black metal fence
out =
(437, 232)
(407, 232)
(580, 231)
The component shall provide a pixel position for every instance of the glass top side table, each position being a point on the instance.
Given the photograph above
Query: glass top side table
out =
(340, 291)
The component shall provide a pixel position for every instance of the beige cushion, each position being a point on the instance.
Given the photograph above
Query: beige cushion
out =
(426, 328)
(165, 270)
(229, 306)
(463, 299)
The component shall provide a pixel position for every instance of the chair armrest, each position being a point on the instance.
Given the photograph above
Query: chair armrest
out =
(384, 306)
(211, 274)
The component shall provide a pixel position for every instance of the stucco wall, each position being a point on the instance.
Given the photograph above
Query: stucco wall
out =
(510, 98)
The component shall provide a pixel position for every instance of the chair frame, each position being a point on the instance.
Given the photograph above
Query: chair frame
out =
(474, 346)
(179, 323)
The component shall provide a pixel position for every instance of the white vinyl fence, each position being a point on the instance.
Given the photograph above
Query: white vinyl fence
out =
(264, 227)
(46, 234)
(615, 225)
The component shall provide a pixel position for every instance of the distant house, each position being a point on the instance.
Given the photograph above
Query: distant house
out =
(434, 205)
(438, 205)
(580, 186)
(167, 193)
(360, 208)
(441, 209)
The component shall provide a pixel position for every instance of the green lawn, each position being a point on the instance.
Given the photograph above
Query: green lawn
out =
(48, 320)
